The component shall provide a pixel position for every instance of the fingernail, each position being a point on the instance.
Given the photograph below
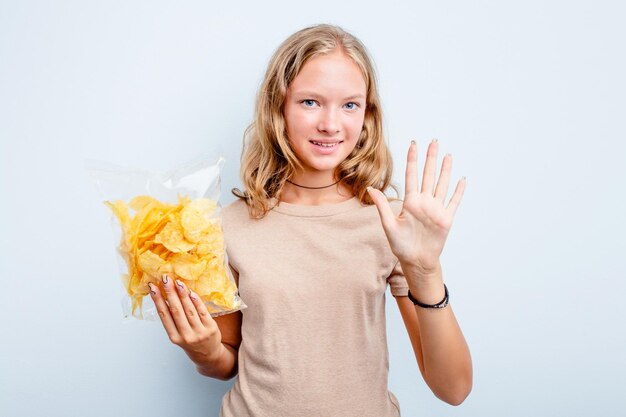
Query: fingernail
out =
(369, 188)
(193, 295)
(435, 140)
(181, 288)
(151, 289)
(165, 279)
(412, 142)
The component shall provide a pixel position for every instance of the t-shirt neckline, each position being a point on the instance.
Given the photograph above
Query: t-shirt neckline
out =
(304, 210)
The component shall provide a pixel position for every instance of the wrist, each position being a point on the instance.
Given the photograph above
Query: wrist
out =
(419, 275)
(440, 304)
(425, 285)
(431, 292)
(206, 359)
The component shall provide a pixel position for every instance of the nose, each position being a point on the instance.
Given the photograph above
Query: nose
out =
(328, 121)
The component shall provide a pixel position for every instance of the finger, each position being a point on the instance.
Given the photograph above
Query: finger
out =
(444, 179)
(203, 313)
(410, 180)
(189, 307)
(456, 197)
(164, 312)
(175, 306)
(384, 209)
(430, 167)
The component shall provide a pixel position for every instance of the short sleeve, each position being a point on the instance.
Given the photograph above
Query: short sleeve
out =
(397, 281)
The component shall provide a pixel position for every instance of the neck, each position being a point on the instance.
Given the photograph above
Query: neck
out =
(312, 188)
(316, 193)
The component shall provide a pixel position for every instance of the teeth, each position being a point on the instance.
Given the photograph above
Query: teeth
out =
(325, 145)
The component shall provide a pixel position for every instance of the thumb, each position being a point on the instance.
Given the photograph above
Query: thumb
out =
(384, 209)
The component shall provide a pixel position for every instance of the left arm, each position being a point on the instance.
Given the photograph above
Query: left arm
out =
(417, 237)
(440, 349)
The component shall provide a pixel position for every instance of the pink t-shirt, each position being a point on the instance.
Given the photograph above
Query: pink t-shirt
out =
(314, 340)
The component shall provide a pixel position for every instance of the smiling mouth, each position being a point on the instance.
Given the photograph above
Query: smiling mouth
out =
(325, 145)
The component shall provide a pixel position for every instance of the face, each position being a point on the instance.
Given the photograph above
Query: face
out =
(324, 113)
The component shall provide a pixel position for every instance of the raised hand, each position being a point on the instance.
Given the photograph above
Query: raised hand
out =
(418, 234)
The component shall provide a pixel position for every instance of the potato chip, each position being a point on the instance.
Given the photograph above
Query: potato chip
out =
(184, 240)
(196, 218)
(172, 237)
(149, 262)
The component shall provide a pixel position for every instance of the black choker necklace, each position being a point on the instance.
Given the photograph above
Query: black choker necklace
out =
(312, 188)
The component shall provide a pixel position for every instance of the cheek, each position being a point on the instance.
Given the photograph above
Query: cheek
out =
(355, 127)
(297, 124)
(305, 120)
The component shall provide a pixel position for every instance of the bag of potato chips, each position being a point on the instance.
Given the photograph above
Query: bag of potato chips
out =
(168, 223)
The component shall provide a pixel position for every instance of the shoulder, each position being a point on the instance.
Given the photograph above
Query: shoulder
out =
(236, 205)
(235, 211)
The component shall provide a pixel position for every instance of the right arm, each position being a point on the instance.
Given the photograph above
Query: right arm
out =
(226, 366)
(211, 343)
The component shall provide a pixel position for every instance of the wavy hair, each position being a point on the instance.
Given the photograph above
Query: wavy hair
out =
(267, 159)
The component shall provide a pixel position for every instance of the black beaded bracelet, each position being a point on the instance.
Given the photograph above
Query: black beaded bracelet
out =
(440, 304)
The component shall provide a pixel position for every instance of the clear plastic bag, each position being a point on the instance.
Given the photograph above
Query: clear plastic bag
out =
(168, 223)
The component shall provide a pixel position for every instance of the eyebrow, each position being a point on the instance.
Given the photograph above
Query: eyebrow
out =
(312, 94)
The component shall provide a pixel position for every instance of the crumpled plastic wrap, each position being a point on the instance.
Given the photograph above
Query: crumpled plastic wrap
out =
(168, 223)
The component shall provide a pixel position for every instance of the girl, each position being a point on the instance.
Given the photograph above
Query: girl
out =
(312, 244)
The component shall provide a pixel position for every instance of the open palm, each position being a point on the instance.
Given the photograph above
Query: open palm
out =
(418, 234)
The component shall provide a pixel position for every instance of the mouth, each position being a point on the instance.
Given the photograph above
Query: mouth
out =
(326, 144)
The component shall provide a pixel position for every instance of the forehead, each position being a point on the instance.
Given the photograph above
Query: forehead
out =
(333, 73)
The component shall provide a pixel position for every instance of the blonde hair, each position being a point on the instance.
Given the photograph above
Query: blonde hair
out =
(267, 159)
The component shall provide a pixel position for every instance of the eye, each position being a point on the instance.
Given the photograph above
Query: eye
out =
(308, 102)
(354, 105)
